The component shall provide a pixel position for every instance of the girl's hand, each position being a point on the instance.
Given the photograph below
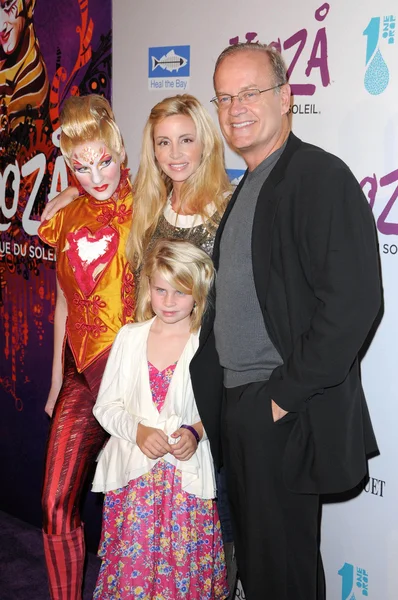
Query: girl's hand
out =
(186, 445)
(152, 442)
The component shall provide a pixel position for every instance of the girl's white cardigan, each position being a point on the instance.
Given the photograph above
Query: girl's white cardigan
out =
(125, 400)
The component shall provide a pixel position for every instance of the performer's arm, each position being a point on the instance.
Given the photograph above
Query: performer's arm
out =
(63, 199)
(61, 313)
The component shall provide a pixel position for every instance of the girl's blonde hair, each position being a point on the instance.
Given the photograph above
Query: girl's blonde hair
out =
(87, 119)
(185, 267)
(151, 187)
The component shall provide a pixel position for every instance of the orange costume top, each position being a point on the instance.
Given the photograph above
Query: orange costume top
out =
(92, 271)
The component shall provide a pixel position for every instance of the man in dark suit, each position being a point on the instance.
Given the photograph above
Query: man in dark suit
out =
(276, 376)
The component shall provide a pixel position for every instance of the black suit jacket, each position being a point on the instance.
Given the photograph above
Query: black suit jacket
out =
(316, 272)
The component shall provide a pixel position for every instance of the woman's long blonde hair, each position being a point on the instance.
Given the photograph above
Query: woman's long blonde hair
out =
(185, 267)
(151, 187)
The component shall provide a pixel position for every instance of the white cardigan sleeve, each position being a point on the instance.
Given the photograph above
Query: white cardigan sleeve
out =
(109, 409)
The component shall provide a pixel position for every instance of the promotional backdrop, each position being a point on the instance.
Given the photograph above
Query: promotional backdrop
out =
(49, 50)
(343, 65)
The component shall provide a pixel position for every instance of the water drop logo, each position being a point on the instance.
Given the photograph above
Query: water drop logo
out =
(377, 75)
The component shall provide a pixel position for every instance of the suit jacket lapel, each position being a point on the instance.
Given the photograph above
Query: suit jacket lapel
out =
(264, 217)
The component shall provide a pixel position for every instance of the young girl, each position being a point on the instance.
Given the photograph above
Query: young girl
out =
(93, 301)
(161, 536)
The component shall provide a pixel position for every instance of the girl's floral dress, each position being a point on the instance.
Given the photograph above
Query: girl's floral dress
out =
(158, 542)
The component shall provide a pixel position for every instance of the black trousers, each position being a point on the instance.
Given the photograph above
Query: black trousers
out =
(275, 530)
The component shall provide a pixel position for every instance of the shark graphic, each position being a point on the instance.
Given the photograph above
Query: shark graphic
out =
(169, 62)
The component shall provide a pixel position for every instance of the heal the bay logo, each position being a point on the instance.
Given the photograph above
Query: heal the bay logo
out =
(380, 39)
(169, 68)
(354, 582)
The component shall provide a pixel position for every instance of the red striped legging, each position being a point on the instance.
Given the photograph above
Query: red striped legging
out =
(75, 438)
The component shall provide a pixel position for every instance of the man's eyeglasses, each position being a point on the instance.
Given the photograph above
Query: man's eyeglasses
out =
(245, 97)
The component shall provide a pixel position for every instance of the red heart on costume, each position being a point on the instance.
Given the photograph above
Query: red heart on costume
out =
(89, 254)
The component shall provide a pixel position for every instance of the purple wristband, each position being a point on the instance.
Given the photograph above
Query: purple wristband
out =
(192, 430)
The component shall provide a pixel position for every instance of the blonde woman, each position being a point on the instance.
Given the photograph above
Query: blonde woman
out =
(181, 188)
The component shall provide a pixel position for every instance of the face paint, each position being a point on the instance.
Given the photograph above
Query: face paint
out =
(89, 155)
(95, 169)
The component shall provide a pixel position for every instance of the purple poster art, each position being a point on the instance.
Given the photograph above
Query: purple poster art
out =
(383, 200)
(49, 50)
(297, 45)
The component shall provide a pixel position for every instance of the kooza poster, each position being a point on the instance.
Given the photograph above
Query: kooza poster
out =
(49, 49)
